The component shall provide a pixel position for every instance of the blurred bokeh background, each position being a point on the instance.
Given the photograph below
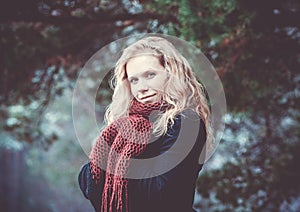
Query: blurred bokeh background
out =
(254, 46)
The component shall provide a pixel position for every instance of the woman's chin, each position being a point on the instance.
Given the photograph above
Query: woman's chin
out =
(147, 101)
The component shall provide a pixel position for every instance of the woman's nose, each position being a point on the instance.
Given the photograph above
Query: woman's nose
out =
(143, 87)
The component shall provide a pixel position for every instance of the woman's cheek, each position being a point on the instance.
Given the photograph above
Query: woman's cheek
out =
(133, 91)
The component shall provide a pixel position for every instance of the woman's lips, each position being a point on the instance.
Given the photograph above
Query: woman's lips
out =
(146, 97)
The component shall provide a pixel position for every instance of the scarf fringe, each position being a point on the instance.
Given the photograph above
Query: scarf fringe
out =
(115, 196)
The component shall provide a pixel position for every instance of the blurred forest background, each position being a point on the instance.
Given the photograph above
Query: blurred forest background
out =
(254, 46)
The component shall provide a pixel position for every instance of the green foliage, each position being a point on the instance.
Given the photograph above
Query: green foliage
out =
(202, 21)
(247, 188)
(259, 171)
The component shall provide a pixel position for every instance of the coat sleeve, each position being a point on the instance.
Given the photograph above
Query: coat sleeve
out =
(176, 186)
(90, 189)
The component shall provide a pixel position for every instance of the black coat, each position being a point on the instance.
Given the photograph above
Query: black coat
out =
(171, 191)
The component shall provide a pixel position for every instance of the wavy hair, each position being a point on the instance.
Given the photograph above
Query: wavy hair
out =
(182, 90)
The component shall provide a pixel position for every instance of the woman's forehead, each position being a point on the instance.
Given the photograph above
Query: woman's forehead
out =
(138, 65)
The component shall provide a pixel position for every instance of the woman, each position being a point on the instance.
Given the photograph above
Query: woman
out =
(146, 159)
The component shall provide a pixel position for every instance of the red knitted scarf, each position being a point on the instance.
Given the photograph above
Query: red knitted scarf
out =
(123, 139)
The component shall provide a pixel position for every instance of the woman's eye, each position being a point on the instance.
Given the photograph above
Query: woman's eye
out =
(133, 81)
(151, 75)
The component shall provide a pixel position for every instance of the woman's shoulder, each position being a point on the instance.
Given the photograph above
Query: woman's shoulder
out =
(187, 124)
(189, 116)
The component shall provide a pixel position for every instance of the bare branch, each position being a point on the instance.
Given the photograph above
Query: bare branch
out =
(103, 18)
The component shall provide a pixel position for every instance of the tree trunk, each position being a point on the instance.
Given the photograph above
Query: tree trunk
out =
(11, 165)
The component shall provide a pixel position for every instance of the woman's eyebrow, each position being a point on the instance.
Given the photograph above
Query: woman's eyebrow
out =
(149, 71)
(132, 77)
(141, 74)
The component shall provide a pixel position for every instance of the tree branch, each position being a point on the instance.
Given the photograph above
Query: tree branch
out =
(103, 18)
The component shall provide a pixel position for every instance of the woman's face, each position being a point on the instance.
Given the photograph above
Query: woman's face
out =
(147, 78)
